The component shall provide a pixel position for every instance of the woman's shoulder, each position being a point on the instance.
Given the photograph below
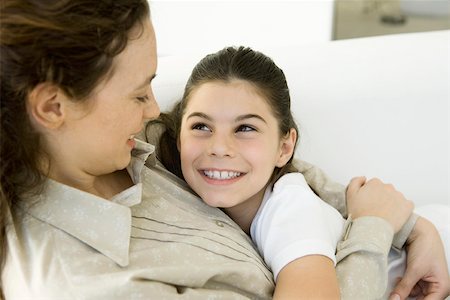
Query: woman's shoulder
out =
(33, 266)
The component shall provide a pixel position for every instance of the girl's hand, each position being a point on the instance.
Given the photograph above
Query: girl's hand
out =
(375, 198)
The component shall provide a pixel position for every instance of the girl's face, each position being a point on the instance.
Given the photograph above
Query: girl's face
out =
(97, 135)
(229, 144)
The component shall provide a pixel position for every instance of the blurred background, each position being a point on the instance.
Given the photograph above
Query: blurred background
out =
(187, 25)
(395, 86)
(374, 17)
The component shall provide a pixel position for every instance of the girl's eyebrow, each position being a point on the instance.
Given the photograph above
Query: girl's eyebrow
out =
(250, 116)
(238, 119)
(199, 114)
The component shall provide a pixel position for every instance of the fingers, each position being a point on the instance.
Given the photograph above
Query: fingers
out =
(355, 184)
(404, 286)
(394, 297)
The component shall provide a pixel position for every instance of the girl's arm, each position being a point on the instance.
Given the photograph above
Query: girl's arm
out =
(308, 277)
(297, 233)
(366, 242)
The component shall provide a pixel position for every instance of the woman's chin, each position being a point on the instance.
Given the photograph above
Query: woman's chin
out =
(124, 162)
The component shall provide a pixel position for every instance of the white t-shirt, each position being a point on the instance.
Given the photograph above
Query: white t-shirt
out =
(293, 222)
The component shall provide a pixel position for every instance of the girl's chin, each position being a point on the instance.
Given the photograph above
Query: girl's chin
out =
(214, 202)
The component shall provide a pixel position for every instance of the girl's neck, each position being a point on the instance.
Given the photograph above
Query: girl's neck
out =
(244, 213)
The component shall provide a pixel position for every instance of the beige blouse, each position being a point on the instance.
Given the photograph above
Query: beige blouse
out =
(155, 240)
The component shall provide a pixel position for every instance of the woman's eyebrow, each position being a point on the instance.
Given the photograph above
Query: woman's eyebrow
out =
(146, 82)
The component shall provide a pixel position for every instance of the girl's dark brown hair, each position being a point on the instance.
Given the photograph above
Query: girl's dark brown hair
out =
(228, 64)
(70, 43)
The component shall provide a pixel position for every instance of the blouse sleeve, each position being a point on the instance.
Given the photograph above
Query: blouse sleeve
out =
(361, 258)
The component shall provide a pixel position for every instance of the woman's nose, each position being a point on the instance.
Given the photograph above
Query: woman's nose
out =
(151, 109)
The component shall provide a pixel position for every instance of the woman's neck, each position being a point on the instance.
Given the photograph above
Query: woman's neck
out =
(111, 184)
(244, 213)
(105, 186)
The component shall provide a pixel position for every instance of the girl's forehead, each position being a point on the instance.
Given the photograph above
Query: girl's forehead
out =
(245, 87)
(239, 96)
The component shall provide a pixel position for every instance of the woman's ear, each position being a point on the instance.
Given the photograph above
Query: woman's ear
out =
(45, 105)
(287, 147)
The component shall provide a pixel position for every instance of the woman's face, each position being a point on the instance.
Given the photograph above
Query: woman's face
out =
(97, 136)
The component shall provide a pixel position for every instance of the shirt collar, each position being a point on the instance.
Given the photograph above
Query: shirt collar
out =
(139, 156)
(102, 224)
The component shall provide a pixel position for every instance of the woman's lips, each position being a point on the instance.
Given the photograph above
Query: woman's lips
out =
(131, 142)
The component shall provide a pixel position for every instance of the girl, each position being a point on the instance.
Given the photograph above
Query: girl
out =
(236, 104)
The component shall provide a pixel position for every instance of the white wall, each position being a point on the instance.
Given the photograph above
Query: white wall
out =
(191, 26)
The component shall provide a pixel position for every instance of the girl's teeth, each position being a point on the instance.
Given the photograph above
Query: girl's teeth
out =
(221, 175)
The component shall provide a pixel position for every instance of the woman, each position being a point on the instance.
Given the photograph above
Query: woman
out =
(81, 216)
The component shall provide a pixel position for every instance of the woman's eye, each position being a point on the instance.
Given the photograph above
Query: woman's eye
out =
(200, 126)
(142, 98)
(245, 128)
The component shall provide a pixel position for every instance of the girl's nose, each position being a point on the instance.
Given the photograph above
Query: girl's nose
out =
(221, 146)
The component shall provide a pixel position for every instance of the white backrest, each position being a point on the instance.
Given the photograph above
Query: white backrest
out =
(375, 106)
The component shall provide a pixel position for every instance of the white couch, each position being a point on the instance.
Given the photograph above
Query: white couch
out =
(375, 106)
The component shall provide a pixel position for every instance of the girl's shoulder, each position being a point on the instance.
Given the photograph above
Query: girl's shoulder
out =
(295, 179)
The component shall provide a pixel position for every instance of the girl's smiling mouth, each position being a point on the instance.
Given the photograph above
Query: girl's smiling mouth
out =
(223, 176)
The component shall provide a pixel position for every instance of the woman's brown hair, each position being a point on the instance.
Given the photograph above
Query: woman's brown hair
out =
(69, 43)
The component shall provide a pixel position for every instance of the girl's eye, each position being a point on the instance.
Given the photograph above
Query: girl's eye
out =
(200, 126)
(245, 128)
(142, 98)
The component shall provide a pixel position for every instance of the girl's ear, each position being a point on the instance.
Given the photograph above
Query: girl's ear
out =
(46, 104)
(287, 147)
